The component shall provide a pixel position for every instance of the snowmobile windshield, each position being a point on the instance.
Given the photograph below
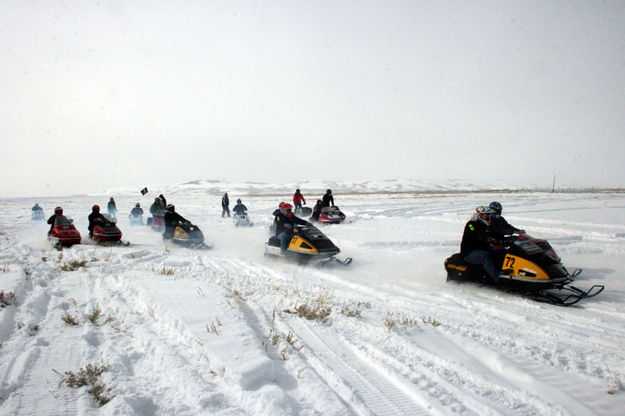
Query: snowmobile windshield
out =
(63, 220)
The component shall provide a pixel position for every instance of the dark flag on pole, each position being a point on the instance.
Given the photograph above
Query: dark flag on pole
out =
(144, 191)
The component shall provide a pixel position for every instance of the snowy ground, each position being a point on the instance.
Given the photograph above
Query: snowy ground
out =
(212, 332)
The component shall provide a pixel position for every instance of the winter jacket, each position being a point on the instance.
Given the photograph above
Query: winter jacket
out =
(225, 201)
(501, 227)
(94, 217)
(327, 200)
(298, 198)
(136, 212)
(476, 236)
(284, 223)
(239, 209)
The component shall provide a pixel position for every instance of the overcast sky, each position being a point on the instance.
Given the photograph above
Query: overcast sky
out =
(100, 94)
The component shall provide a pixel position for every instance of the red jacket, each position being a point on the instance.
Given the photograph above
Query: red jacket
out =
(297, 197)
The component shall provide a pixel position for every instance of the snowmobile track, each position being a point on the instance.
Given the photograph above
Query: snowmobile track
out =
(378, 393)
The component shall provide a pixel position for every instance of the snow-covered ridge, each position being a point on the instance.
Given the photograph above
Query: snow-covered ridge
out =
(318, 187)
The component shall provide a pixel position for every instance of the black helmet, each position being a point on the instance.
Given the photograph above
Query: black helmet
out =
(297, 190)
(58, 210)
(329, 191)
(137, 205)
(95, 208)
(239, 201)
(496, 207)
(171, 208)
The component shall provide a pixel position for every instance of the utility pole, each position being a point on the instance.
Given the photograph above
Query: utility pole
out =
(553, 188)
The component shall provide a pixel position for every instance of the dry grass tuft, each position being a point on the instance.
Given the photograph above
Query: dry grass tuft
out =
(311, 312)
(73, 265)
(91, 376)
(7, 299)
(69, 319)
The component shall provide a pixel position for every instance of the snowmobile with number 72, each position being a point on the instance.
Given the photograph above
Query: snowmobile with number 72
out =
(529, 266)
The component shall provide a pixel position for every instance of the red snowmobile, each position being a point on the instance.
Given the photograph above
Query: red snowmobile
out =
(105, 230)
(331, 215)
(63, 233)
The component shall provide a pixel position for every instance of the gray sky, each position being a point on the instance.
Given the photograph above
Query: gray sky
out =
(99, 94)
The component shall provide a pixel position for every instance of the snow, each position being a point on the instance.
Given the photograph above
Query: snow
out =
(192, 332)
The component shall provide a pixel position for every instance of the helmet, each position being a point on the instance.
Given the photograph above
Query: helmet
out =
(58, 210)
(496, 207)
(297, 190)
(95, 208)
(484, 214)
(239, 201)
(171, 207)
(286, 209)
(137, 205)
(329, 191)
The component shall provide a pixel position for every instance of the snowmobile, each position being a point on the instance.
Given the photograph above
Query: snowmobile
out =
(188, 235)
(157, 222)
(63, 233)
(135, 219)
(303, 211)
(307, 244)
(331, 215)
(37, 215)
(528, 266)
(241, 220)
(105, 231)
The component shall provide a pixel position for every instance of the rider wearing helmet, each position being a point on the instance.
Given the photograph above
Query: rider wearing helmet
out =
(58, 213)
(479, 241)
(172, 220)
(239, 208)
(137, 211)
(284, 222)
(94, 217)
(327, 199)
(500, 225)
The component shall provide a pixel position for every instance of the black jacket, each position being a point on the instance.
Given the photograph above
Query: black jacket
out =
(93, 219)
(172, 219)
(501, 227)
(327, 200)
(225, 201)
(239, 209)
(476, 236)
(136, 212)
(284, 223)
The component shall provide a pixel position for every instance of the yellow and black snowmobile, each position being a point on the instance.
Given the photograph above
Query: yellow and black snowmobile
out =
(529, 266)
(307, 244)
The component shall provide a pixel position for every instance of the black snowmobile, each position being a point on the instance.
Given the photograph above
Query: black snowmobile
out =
(528, 266)
(307, 244)
(188, 235)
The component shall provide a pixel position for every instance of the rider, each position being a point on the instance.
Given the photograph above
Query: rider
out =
(328, 199)
(317, 210)
(112, 208)
(37, 207)
(298, 198)
(239, 208)
(137, 211)
(479, 241)
(500, 225)
(94, 217)
(58, 215)
(172, 220)
(285, 221)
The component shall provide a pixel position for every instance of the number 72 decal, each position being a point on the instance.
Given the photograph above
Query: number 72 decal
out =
(508, 262)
